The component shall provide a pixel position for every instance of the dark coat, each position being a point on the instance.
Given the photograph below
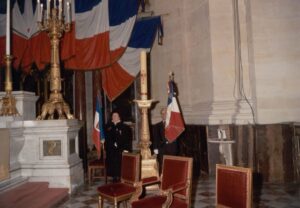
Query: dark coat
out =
(118, 138)
(161, 143)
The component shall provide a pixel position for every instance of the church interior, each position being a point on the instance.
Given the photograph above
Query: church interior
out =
(234, 67)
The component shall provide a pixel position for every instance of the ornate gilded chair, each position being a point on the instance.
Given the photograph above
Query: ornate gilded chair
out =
(130, 177)
(233, 186)
(97, 167)
(175, 185)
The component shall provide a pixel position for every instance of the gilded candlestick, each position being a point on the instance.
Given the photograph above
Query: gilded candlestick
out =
(8, 107)
(8, 101)
(55, 26)
(149, 163)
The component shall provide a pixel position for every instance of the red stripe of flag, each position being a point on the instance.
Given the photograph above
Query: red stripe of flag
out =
(174, 120)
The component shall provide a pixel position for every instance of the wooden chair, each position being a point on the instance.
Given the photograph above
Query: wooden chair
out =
(130, 177)
(233, 186)
(97, 165)
(175, 185)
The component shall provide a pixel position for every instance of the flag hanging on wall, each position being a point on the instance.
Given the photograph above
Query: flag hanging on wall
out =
(105, 34)
(98, 133)
(174, 120)
(122, 73)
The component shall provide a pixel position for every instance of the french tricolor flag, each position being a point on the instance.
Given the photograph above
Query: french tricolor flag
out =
(2, 31)
(98, 131)
(174, 120)
(122, 73)
(86, 47)
(102, 29)
(26, 39)
(105, 35)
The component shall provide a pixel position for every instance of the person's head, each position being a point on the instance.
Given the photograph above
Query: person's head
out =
(163, 113)
(115, 117)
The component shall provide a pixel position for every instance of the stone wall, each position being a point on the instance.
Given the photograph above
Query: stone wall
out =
(272, 151)
(235, 61)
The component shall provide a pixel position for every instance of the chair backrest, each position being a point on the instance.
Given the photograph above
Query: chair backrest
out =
(130, 168)
(177, 170)
(233, 186)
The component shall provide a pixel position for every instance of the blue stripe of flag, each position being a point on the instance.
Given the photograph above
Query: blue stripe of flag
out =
(12, 2)
(85, 5)
(144, 32)
(121, 10)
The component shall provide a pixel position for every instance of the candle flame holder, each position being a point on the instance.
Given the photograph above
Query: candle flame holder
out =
(145, 142)
(55, 27)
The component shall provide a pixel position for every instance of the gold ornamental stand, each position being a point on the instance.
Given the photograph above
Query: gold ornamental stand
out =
(149, 162)
(54, 25)
(8, 101)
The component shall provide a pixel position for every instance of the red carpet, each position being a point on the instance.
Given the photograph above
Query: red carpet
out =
(33, 195)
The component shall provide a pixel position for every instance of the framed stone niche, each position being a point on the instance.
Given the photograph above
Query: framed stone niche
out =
(51, 148)
(72, 146)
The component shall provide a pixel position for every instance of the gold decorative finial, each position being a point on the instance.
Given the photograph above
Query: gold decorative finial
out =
(171, 76)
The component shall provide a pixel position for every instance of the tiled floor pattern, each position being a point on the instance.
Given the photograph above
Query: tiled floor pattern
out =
(203, 196)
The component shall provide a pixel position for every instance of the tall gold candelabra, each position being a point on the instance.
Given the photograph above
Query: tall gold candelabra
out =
(54, 25)
(149, 163)
(8, 101)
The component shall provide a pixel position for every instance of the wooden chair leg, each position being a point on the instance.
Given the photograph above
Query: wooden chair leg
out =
(89, 175)
(115, 204)
(100, 203)
(124, 204)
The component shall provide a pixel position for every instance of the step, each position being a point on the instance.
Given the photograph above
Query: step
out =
(33, 195)
(12, 183)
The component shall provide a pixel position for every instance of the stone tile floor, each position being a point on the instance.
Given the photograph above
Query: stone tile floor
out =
(203, 195)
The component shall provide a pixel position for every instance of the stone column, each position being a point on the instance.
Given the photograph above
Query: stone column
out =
(80, 114)
(97, 85)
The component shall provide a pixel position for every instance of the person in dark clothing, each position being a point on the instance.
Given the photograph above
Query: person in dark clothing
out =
(118, 139)
(161, 146)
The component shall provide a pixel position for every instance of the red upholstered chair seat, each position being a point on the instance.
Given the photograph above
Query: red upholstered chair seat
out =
(130, 176)
(116, 189)
(150, 202)
(150, 180)
(157, 201)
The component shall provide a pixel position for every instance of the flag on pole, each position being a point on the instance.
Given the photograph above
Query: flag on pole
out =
(98, 133)
(174, 120)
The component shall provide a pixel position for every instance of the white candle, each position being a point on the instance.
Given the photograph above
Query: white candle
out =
(8, 28)
(38, 8)
(59, 9)
(48, 9)
(144, 75)
(68, 12)
(41, 13)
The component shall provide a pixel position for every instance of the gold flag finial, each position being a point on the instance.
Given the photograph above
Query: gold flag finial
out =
(171, 76)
